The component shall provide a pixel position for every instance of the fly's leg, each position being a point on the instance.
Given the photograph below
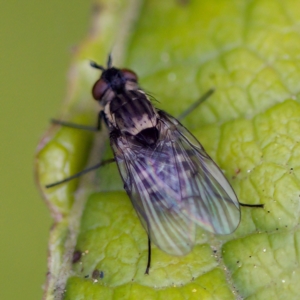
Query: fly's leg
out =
(149, 256)
(252, 205)
(149, 240)
(83, 127)
(196, 104)
(102, 163)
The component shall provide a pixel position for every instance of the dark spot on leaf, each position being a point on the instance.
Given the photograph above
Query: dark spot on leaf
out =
(95, 274)
(183, 2)
(76, 256)
(97, 8)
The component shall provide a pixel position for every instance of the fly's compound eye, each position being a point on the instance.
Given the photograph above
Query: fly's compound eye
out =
(99, 89)
(129, 75)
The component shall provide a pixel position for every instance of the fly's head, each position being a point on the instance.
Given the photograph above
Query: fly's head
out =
(113, 82)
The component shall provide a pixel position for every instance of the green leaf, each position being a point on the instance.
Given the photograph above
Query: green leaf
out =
(249, 52)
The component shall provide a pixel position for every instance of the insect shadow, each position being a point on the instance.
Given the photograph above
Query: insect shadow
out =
(171, 181)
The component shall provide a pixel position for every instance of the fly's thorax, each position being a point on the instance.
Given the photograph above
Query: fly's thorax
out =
(131, 112)
(131, 85)
(110, 94)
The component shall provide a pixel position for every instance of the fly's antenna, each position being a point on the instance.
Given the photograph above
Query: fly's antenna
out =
(109, 61)
(96, 66)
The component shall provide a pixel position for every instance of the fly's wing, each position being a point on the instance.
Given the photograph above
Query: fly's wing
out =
(213, 204)
(175, 186)
(151, 181)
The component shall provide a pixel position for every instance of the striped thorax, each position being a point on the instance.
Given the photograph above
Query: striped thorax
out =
(127, 108)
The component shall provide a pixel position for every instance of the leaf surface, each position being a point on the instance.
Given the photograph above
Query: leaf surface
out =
(249, 52)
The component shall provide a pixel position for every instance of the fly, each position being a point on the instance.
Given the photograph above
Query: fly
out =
(171, 181)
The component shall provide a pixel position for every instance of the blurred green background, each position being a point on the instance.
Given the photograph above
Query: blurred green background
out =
(36, 49)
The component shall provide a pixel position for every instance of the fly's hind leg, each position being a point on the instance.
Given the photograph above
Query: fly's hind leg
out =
(252, 205)
(149, 256)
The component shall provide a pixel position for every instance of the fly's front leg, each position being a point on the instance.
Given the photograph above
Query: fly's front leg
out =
(101, 116)
(83, 127)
